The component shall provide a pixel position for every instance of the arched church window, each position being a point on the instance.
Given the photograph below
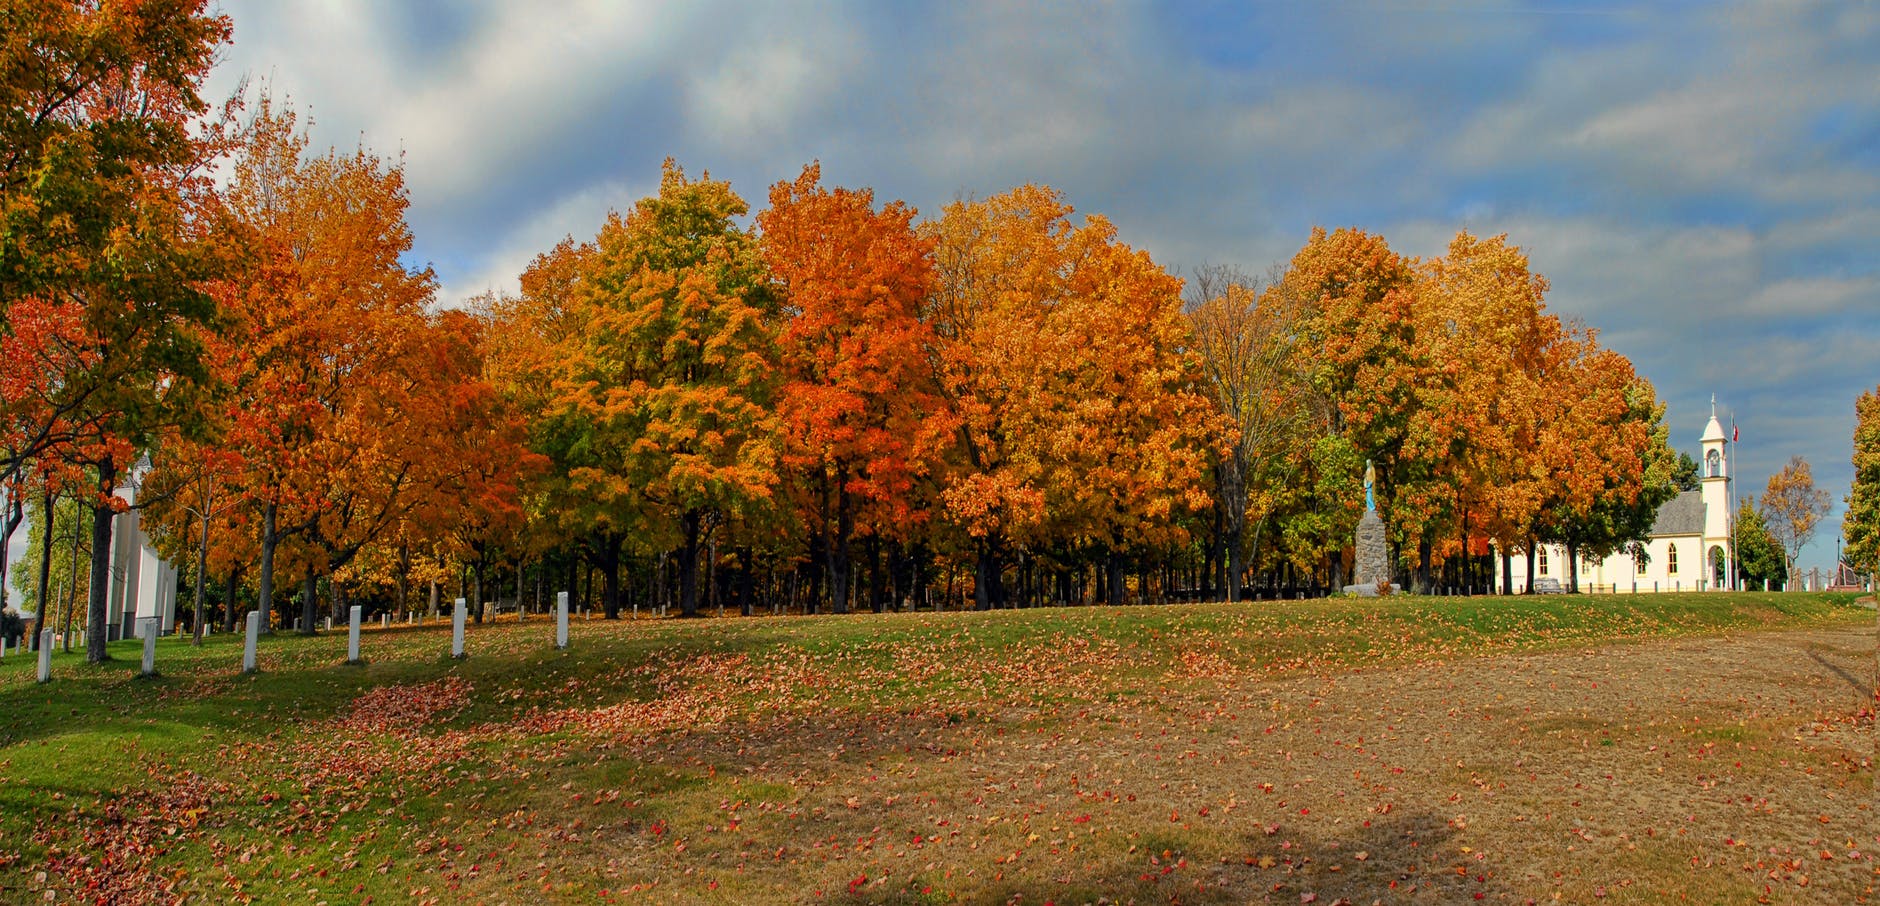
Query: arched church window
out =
(1543, 561)
(1671, 560)
(1714, 462)
(1640, 560)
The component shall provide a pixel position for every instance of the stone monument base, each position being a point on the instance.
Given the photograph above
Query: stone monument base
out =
(1372, 563)
(1370, 591)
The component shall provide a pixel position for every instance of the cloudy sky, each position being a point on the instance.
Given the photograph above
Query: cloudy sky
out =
(1700, 182)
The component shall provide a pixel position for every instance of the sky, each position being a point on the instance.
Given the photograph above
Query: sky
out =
(1700, 182)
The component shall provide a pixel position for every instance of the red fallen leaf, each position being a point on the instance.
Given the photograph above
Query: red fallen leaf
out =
(1308, 898)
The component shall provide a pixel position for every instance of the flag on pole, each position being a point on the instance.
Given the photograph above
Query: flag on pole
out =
(1733, 431)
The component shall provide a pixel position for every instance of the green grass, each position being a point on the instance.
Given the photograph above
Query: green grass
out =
(290, 799)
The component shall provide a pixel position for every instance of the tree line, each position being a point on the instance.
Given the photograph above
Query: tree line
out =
(830, 404)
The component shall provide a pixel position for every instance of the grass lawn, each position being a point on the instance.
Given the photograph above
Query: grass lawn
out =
(1653, 748)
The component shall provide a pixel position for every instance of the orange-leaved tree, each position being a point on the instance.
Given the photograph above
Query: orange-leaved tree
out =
(329, 394)
(861, 421)
(662, 421)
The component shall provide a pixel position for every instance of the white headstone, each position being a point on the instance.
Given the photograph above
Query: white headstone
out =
(248, 645)
(456, 629)
(152, 626)
(45, 656)
(561, 619)
(352, 635)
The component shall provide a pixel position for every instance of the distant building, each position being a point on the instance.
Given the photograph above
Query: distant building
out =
(1691, 546)
(143, 584)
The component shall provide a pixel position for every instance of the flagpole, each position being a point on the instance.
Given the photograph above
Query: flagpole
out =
(1729, 485)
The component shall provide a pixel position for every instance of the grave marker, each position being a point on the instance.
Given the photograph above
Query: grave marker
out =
(249, 664)
(352, 635)
(45, 656)
(561, 619)
(152, 627)
(456, 629)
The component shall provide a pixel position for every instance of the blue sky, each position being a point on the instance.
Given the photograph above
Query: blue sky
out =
(1699, 181)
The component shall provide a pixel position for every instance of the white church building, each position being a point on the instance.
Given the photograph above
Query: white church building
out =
(1691, 546)
(143, 584)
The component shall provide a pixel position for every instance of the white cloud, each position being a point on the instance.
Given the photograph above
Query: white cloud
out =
(1806, 296)
(771, 85)
(578, 214)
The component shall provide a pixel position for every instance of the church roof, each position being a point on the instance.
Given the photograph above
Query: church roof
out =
(1681, 515)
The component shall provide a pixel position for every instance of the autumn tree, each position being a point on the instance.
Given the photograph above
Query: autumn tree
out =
(662, 423)
(1064, 353)
(1357, 349)
(1792, 507)
(100, 263)
(1609, 460)
(1247, 346)
(860, 420)
(1861, 524)
(325, 350)
(1759, 557)
(1484, 343)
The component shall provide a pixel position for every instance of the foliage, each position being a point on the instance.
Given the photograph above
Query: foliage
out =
(1861, 524)
(102, 240)
(1760, 562)
(662, 424)
(1791, 508)
(1685, 474)
(862, 423)
(1031, 313)
(1247, 346)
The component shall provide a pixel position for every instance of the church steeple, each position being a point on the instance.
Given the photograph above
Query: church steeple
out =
(1715, 488)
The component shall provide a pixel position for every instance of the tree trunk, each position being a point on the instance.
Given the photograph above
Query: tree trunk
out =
(1530, 566)
(877, 589)
(604, 555)
(229, 607)
(476, 589)
(270, 513)
(818, 565)
(402, 588)
(688, 563)
(309, 601)
(841, 574)
(101, 517)
(1573, 567)
(985, 568)
(1117, 591)
(435, 594)
(744, 581)
(12, 513)
(45, 569)
(71, 577)
(917, 580)
(202, 579)
(1507, 572)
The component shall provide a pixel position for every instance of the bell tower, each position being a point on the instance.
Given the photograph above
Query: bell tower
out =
(1714, 470)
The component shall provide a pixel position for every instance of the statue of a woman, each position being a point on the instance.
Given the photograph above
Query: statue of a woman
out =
(1370, 479)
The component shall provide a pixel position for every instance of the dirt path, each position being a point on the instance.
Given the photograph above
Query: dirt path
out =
(1710, 770)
